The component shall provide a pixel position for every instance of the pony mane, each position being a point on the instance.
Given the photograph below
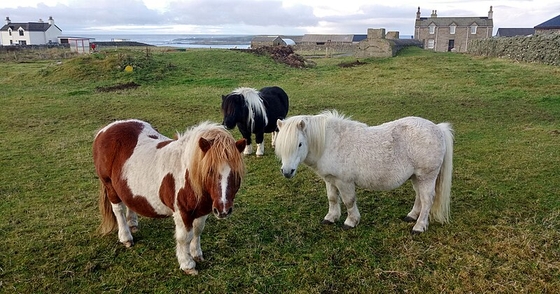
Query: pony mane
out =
(314, 130)
(255, 104)
(202, 165)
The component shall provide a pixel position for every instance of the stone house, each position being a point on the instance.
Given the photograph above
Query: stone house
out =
(551, 26)
(260, 41)
(515, 32)
(451, 33)
(30, 33)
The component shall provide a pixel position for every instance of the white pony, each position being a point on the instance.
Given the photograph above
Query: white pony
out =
(347, 153)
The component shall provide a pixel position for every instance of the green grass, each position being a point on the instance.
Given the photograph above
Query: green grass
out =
(505, 229)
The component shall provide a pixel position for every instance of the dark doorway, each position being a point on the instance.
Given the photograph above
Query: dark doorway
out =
(451, 45)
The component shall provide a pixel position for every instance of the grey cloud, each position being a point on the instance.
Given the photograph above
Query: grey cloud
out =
(225, 12)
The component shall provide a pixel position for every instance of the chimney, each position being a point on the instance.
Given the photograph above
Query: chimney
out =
(51, 20)
(434, 13)
(418, 13)
(40, 20)
(8, 21)
(490, 13)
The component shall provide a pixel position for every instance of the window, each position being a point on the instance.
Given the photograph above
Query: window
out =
(431, 44)
(432, 28)
(452, 29)
(10, 32)
(473, 29)
(21, 32)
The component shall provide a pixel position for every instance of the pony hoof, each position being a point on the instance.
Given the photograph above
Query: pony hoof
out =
(414, 232)
(347, 227)
(327, 222)
(134, 229)
(198, 258)
(408, 219)
(191, 272)
(128, 244)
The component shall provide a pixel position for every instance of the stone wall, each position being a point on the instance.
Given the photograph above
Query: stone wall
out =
(379, 44)
(329, 49)
(539, 48)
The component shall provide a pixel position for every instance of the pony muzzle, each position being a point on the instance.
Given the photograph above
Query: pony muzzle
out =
(222, 213)
(288, 172)
(229, 124)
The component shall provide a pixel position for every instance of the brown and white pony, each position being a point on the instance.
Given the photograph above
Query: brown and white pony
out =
(141, 171)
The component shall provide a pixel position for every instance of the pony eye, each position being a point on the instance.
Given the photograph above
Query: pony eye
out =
(299, 144)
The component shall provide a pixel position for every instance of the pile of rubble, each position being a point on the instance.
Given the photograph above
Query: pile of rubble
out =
(283, 54)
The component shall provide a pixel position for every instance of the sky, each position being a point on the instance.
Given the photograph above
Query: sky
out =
(265, 17)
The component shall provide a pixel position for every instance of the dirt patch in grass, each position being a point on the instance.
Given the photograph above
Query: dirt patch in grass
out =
(351, 64)
(125, 86)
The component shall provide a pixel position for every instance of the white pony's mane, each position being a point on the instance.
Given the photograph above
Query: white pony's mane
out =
(314, 131)
(254, 103)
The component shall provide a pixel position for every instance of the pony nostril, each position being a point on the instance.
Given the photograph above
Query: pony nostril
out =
(230, 210)
(292, 171)
(215, 211)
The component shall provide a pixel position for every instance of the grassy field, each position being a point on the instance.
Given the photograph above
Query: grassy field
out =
(505, 229)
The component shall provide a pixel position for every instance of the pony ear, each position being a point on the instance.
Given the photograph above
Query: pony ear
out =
(240, 144)
(301, 125)
(279, 123)
(224, 97)
(204, 144)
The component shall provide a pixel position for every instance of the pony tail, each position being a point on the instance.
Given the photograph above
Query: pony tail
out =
(441, 206)
(108, 219)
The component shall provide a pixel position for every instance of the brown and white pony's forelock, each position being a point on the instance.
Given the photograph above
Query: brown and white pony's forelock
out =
(203, 162)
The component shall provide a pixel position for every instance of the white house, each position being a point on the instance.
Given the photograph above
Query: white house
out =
(30, 33)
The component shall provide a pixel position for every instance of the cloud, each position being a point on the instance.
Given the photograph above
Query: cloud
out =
(265, 16)
(244, 12)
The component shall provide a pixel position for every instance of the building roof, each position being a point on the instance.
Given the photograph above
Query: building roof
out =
(458, 21)
(512, 32)
(553, 23)
(358, 38)
(264, 38)
(29, 26)
(314, 38)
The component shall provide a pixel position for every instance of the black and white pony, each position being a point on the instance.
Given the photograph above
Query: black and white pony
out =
(255, 112)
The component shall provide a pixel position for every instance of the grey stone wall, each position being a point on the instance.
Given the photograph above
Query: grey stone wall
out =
(539, 48)
(327, 49)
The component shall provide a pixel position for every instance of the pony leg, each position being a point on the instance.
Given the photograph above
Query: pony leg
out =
(273, 142)
(412, 216)
(198, 227)
(183, 237)
(260, 149)
(125, 236)
(132, 220)
(248, 149)
(259, 139)
(425, 191)
(348, 195)
(247, 136)
(334, 206)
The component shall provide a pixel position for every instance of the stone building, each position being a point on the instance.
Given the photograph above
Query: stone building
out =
(551, 26)
(379, 44)
(451, 33)
(260, 41)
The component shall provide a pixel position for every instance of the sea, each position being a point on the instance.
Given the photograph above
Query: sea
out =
(179, 40)
(188, 40)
